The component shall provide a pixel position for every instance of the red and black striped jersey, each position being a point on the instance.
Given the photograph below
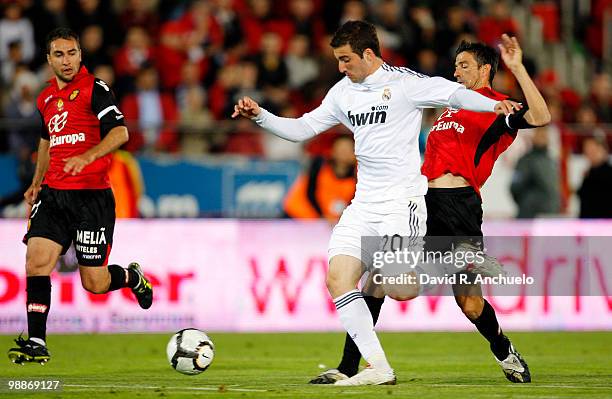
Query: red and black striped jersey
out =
(467, 143)
(77, 118)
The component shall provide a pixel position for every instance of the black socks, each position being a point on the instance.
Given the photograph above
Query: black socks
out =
(488, 326)
(38, 289)
(118, 279)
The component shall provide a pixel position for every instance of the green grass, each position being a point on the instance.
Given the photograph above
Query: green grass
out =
(428, 365)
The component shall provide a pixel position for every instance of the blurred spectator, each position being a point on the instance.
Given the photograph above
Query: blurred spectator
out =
(139, 13)
(191, 79)
(259, 20)
(204, 37)
(151, 115)
(498, 21)
(301, 66)
(425, 24)
(394, 32)
(595, 194)
(221, 92)
(47, 15)
(535, 184)
(304, 21)
(135, 52)
(233, 36)
(24, 121)
(272, 73)
(91, 48)
(327, 187)
(353, 10)
(427, 63)
(9, 66)
(97, 12)
(455, 24)
(600, 96)
(107, 74)
(195, 123)
(172, 54)
(270, 63)
(15, 27)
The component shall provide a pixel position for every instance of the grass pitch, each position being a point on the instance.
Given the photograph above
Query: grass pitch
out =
(428, 365)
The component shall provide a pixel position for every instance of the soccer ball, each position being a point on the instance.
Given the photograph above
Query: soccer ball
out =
(190, 351)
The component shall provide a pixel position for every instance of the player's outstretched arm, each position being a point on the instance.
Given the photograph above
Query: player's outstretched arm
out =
(473, 101)
(308, 126)
(114, 139)
(512, 54)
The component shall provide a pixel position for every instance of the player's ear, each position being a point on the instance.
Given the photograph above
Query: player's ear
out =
(486, 70)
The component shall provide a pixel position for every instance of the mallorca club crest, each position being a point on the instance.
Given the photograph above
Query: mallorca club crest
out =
(73, 95)
(386, 96)
(60, 104)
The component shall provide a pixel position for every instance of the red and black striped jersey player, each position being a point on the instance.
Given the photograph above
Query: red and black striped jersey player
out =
(70, 196)
(461, 150)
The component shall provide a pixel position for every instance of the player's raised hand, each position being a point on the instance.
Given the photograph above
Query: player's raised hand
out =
(76, 164)
(511, 51)
(507, 107)
(246, 107)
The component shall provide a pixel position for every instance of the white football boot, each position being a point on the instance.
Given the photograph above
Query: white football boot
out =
(370, 376)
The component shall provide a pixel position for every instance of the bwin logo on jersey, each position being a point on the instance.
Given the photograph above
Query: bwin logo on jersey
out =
(368, 118)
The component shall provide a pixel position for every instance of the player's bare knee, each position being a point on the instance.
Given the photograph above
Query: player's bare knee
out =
(401, 293)
(39, 263)
(334, 284)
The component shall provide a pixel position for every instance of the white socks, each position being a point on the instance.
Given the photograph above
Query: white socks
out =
(357, 321)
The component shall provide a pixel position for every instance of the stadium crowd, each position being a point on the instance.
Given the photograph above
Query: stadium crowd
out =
(177, 66)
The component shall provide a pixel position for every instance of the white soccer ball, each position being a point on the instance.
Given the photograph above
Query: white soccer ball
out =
(190, 351)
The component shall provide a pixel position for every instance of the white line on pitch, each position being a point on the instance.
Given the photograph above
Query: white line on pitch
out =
(164, 387)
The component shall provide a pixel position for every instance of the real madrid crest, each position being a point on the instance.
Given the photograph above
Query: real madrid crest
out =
(60, 104)
(73, 95)
(386, 96)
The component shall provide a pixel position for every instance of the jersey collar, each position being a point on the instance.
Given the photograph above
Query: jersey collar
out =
(489, 92)
(80, 75)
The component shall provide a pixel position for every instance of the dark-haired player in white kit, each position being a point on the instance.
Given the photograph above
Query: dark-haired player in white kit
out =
(382, 105)
(459, 158)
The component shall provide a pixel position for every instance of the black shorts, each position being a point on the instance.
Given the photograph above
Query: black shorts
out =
(453, 212)
(83, 217)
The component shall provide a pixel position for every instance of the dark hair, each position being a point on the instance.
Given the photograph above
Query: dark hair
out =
(61, 33)
(360, 35)
(484, 55)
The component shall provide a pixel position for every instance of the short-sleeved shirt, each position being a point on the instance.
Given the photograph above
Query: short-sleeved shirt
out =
(384, 112)
(467, 143)
(76, 118)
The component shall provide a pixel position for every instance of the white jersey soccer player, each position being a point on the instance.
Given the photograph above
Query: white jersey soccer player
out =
(382, 106)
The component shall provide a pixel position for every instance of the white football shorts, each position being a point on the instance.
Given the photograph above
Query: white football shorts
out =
(378, 222)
